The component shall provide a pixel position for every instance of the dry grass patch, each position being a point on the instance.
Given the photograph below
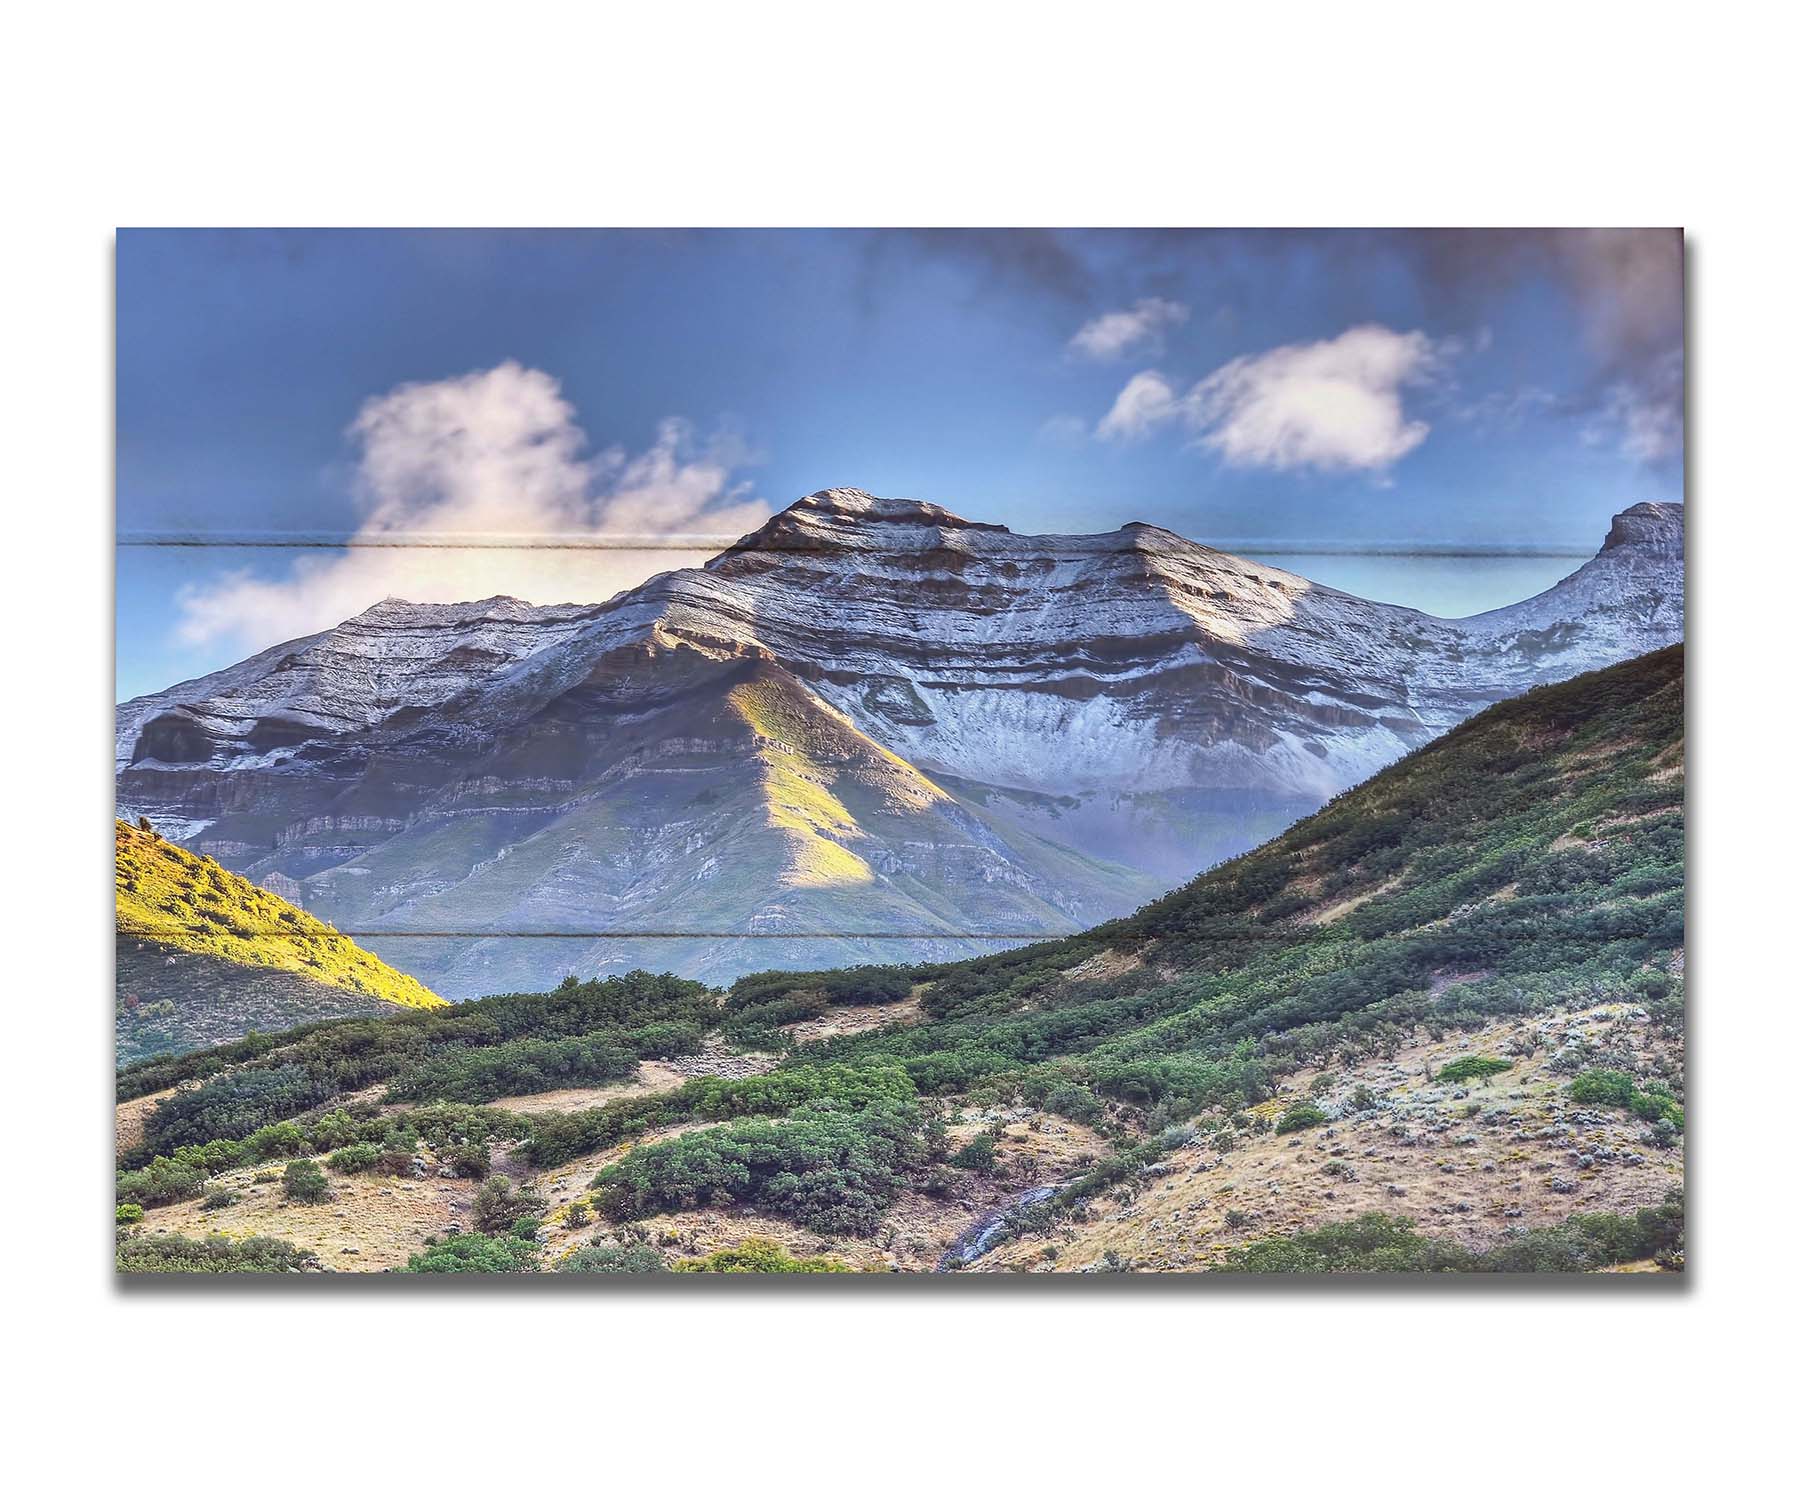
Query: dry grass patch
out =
(1467, 1163)
(651, 1078)
(370, 1223)
(848, 1020)
(130, 1116)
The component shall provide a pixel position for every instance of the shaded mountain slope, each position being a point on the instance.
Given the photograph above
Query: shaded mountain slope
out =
(731, 812)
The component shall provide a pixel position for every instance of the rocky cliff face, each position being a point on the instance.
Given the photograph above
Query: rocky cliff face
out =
(870, 717)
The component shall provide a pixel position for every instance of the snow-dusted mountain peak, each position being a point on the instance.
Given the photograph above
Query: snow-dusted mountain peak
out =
(495, 609)
(1654, 523)
(1102, 715)
(856, 521)
(860, 505)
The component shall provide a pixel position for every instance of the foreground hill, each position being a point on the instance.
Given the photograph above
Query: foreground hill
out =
(870, 731)
(204, 956)
(1438, 1025)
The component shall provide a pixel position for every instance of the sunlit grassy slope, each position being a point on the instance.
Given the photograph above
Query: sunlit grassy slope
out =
(189, 904)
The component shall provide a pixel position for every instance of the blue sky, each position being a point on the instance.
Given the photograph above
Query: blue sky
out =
(1353, 389)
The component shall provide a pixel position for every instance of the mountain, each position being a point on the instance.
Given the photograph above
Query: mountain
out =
(868, 717)
(204, 956)
(1438, 1025)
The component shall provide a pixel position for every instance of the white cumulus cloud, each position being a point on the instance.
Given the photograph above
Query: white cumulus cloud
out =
(485, 484)
(1147, 402)
(1335, 404)
(1115, 334)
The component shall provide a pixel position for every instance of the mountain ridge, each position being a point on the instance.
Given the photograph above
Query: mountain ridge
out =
(1103, 715)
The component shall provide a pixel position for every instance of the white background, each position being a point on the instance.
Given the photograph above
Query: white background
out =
(944, 114)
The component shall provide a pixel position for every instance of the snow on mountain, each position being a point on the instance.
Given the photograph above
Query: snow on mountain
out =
(869, 716)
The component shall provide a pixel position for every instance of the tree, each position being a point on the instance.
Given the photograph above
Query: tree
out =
(499, 1205)
(462, 1253)
(303, 1182)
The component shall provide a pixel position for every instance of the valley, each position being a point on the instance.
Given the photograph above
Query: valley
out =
(1436, 1025)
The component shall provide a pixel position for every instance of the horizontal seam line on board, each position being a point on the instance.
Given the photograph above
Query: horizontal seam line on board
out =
(729, 545)
(1288, 938)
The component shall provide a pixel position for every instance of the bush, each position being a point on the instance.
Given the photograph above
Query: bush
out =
(474, 1074)
(303, 1182)
(977, 1156)
(1075, 1102)
(212, 1158)
(761, 1257)
(786, 1089)
(1302, 1116)
(499, 1205)
(320, 1060)
(448, 1127)
(612, 1260)
(274, 1141)
(748, 1034)
(1471, 1069)
(664, 1039)
(161, 1253)
(480, 1254)
(470, 1159)
(358, 1158)
(866, 984)
(1375, 1242)
(332, 1130)
(213, 1202)
(558, 1138)
(231, 1106)
(163, 1181)
(831, 1170)
(1586, 1242)
(1654, 1103)
(1603, 1086)
(129, 1213)
(392, 1160)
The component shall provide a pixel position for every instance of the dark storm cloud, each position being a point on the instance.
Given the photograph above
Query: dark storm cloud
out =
(1626, 284)
(1043, 260)
(1627, 288)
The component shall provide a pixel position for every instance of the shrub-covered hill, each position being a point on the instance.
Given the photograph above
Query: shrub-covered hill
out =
(1525, 868)
(205, 956)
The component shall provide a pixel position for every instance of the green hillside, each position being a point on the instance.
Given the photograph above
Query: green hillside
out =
(1523, 874)
(1538, 846)
(204, 955)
